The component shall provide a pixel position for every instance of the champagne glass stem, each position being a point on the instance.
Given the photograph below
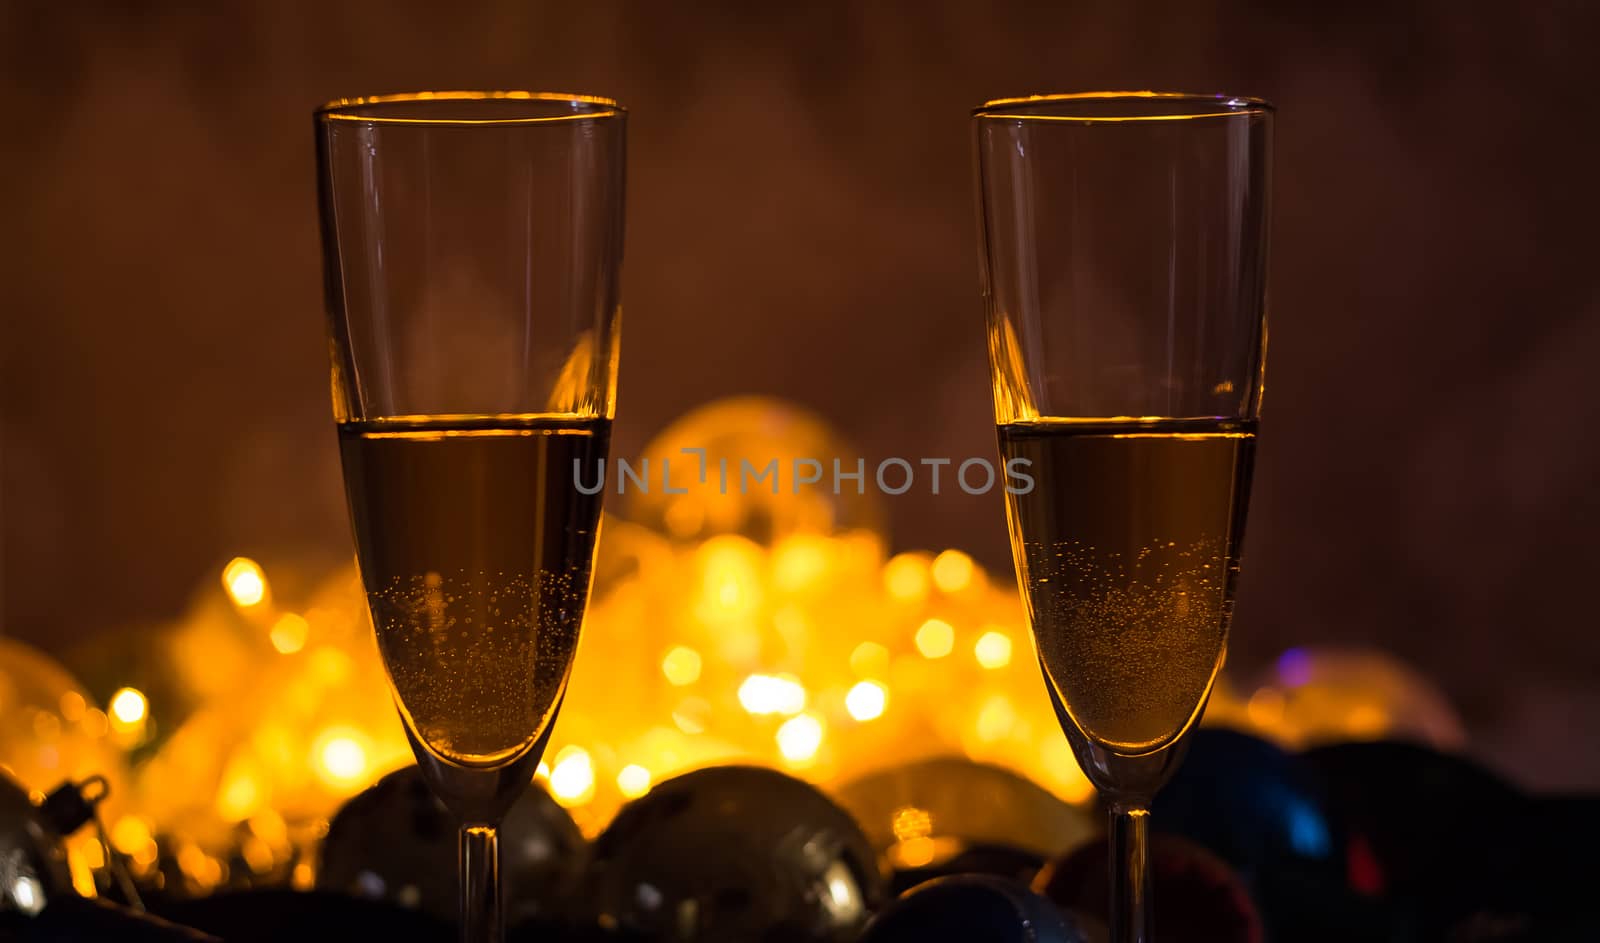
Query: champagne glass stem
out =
(481, 920)
(1130, 873)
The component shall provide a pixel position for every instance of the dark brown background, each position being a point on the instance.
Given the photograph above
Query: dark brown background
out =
(800, 225)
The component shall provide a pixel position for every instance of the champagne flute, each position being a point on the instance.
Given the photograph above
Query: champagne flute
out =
(1124, 272)
(472, 245)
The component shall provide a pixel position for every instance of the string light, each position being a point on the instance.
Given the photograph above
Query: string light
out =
(244, 581)
(866, 701)
(905, 577)
(800, 738)
(128, 708)
(869, 659)
(772, 694)
(936, 638)
(572, 777)
(288, 634)
(993, 650)
(339, 758)
(995, 719)
(633, 781)
(952, 571)
(799, 561)
(681, 665)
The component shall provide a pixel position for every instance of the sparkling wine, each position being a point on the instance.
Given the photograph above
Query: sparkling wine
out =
(475, 548)
(1128, 548)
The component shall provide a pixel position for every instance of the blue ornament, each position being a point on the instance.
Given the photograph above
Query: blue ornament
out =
(1252, 804)
(1265, 813)
(972, 907)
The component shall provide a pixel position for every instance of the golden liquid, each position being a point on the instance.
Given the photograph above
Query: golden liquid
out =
(475, 549)
(1127, 548)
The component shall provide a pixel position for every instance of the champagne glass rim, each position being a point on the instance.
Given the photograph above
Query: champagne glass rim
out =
(1121, 106)
(381, 109)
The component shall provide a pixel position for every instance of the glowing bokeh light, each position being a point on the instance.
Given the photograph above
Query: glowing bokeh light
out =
(681, 665)
(772, 694)
(905, 577)
(870, 660)
(339, 758)
(952, 571)
(993, 649)
(244, 581)
(289, 633)
(936, 638)
(800, 738)
(572, 777)
(996, 718)
(866, 701)
(128, 708)
(633, 781)
(799, 561)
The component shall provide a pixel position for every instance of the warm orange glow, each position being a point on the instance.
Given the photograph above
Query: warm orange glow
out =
(572, 777)
(681, 665)
(772, 694)
(905, 577)
(952, 571)
(866, 701)
(1061, 772)
(799, 561)
(936, 638)
(993, 649)
(1265, 708)
(340, 759)
(870, 660)
(199, 867)
(289, 633)
(240, 794)
(914, 852)
(910, 822)
(95, 722)
(73, 707)
(633, 781)
(731, 580)
(995, 718)
(800, 738)
(128, 709)
(692, 714)
(132, 836)
(244, 581)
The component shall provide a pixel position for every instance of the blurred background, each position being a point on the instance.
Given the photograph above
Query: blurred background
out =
(800, 225)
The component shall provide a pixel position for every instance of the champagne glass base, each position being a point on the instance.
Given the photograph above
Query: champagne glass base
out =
(480, 795)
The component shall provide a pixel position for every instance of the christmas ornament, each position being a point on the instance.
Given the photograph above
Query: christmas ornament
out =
(953, 816)
(395, 842)
(33, 857)
(1313, 696)
(1198, 898)
(734, 853)
(1254, 805)
(1437, 836)
(1017, 864)
(52, 731)
(972, 907)
(713, 455)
